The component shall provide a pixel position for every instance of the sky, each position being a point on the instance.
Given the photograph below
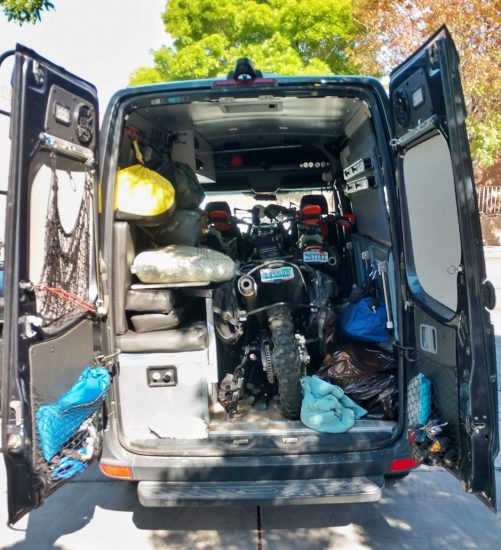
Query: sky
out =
(102, 41)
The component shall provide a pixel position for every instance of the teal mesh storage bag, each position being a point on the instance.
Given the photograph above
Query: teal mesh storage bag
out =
(58, 423)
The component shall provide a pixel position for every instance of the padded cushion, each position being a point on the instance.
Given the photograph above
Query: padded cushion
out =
(151, 301)
(123, 256)
(190, 338)
(149, 322)
(311, 213)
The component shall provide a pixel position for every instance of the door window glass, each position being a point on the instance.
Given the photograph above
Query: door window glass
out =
(433, 219)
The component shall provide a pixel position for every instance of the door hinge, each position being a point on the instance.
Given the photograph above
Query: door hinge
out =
(474, 425)
(30, 325)
(14, 430)
(422, 127)
(18, 412)
(451, 270)
(38, 73)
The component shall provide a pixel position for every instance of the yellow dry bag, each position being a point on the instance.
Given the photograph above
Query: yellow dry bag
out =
(141, 194)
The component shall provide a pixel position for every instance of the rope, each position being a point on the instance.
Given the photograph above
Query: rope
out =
(68, 296)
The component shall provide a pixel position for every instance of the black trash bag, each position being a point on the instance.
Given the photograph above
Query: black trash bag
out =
(367, 375)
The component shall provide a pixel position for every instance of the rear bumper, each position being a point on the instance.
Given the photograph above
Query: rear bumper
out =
(251, 468)
(314, 491)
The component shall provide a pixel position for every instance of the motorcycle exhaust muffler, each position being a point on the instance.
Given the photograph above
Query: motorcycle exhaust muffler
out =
(248, 289)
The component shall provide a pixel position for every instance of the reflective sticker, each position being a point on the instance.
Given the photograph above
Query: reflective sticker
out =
(279, 274)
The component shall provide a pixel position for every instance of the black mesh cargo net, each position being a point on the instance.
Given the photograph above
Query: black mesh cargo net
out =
(63, 291)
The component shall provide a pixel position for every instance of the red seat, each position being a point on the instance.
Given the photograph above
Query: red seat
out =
(311, 214)
(219, 217)
(221, 220)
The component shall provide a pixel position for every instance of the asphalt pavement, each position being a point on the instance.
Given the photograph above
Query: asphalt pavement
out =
(426, 510)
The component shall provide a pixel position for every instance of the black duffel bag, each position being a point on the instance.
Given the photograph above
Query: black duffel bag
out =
(189, 192)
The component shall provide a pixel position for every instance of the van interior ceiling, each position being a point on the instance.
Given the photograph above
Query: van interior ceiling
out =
(245, 151)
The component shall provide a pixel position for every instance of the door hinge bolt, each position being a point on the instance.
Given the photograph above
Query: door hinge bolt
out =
(14, 443)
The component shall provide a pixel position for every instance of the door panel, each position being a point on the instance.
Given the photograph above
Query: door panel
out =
(448, 323)
(51, 276)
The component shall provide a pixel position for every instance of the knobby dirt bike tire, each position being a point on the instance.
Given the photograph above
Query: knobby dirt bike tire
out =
(285, 360)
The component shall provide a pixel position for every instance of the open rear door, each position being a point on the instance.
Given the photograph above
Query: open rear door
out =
(51, 298)
(452, 375)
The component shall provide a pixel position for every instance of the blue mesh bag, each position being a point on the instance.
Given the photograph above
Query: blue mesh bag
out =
(58, 422)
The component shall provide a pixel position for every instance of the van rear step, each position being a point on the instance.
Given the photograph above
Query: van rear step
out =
(297, 491)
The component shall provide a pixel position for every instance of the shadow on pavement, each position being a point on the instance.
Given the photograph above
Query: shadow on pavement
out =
(71, 510)
(425, 510)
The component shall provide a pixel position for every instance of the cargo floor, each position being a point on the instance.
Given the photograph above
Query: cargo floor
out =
(265, 432)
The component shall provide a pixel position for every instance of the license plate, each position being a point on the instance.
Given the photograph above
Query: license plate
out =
(315, 257)
(277, 274)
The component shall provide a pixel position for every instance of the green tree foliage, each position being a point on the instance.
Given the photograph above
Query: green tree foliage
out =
(285, 36)
(338, 36)
(25, 11)
(397, 27)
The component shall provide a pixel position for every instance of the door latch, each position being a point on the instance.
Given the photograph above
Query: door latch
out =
(474, 425)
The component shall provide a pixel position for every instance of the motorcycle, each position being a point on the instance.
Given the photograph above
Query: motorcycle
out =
(283, 304)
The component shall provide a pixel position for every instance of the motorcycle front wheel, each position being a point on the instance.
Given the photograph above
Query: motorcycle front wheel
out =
(286, 362)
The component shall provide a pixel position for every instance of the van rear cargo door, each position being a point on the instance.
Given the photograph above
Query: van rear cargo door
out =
(51, 284)
(452, 390)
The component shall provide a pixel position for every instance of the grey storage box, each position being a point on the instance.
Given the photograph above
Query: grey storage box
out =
(164, 395)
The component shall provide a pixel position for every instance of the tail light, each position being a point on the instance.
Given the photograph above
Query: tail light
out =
(401, 464)
(113, 470)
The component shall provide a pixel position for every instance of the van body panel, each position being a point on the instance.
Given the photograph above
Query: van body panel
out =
(54, 135)
(396, 175)
(453, 335)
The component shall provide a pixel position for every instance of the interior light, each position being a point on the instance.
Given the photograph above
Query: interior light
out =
(236, 161)
(418, 97)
